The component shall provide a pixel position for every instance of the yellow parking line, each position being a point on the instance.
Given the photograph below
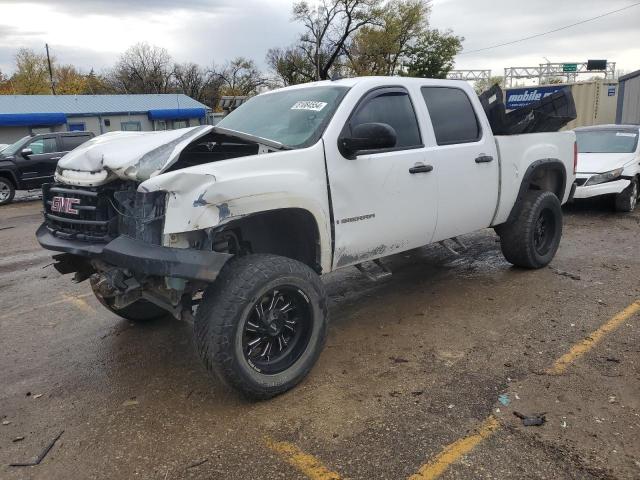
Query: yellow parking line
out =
(457, 449)
(307, 464)
(65, 299)
(579, 349)
(453, 452)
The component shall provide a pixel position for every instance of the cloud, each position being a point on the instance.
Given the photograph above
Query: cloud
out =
(124, 7)
(613, 37)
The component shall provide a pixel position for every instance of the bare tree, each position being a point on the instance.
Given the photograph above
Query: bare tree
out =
(241, 76)
(290, 66)
(143, 68)
(329, 27)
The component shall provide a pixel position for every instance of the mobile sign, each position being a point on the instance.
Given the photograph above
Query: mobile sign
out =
(521, 97)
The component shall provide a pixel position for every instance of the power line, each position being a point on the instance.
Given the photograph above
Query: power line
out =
(551, 31)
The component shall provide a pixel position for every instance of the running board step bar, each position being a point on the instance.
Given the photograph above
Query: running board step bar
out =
(458, 242)
(375, 276)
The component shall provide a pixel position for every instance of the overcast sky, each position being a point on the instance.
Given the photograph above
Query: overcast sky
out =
(92, 33)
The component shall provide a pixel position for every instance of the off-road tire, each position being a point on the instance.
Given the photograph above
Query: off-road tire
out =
(627, 200)
(141, 311)
(517, 238)
(6, 186)
(226, 307)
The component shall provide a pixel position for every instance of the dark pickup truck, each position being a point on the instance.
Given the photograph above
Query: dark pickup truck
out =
(31, 161)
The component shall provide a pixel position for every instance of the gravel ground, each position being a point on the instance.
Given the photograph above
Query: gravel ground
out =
(412, 364)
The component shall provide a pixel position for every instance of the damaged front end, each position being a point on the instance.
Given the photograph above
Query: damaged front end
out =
(113, 235)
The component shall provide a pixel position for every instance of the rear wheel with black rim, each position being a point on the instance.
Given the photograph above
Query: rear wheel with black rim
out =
(532, 239)
(627, 200)
(262, 325)
(7, 191)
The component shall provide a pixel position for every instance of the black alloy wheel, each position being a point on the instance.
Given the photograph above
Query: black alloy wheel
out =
(277, 330)
(544, 232)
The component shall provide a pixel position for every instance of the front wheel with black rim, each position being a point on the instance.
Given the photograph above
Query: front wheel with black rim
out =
(627, 200)
(532, 239)
(7, 191)
(262, 325)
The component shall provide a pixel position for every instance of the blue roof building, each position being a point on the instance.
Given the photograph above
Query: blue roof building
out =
(22, 115)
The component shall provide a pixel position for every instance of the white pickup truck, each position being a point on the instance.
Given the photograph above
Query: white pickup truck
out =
(236, 223)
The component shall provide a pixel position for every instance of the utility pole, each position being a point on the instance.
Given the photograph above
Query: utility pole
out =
(53, 87)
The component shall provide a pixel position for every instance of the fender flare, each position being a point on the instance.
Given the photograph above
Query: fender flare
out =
(556, 164)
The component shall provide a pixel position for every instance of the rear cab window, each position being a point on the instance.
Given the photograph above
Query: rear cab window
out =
(452, 115)
(72, 141)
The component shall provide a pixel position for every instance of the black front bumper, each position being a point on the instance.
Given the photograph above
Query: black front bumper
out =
(142, 257)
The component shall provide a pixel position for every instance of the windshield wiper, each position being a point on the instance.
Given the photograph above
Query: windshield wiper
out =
(252, 138)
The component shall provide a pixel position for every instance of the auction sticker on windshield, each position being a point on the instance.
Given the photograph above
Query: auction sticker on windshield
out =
(625, 134)
(309, 105)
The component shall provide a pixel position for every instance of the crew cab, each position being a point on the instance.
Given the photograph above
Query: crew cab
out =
(31, 161)
(609, 164)
(234, 224)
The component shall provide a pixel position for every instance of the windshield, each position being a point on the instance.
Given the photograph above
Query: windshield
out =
(14, 147)
(607, 141)
(295, 118)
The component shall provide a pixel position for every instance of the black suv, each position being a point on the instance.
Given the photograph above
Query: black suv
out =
(32, 160)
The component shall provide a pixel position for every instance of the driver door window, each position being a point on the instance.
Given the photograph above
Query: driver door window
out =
(43, 146)
(393, 107)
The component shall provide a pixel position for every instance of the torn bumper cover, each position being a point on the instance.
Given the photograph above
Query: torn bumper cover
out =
(142, 257)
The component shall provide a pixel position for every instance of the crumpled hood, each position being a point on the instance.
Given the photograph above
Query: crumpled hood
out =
(602, 162)
(128, 155)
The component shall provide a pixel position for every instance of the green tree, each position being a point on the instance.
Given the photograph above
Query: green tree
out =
(31, 76)
(433, 54)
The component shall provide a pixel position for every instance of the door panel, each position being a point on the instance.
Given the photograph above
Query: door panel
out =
(40, 166)
(466, 159)
(379, 206)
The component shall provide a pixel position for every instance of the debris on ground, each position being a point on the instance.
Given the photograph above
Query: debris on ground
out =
(6, 422)
(41, 456)
(399, 360)
(562, 273)
(17, 439)
(504, 399)
(38, 395)
(612, 359)
(132, 401)
(198, 463)
(535, 420)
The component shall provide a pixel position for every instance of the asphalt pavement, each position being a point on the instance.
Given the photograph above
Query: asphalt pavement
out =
(420, 378)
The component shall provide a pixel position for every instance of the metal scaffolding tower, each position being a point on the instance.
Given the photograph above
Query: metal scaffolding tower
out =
(544, 71)
(471, 75)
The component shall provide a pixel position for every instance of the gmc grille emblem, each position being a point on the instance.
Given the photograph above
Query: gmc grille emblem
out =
(64, 205)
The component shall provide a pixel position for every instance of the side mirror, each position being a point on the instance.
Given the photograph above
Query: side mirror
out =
(367, 136)
(26, 152)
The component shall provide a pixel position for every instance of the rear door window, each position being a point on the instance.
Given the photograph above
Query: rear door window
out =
(71, 142)
(452, 115)
(393, 107)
